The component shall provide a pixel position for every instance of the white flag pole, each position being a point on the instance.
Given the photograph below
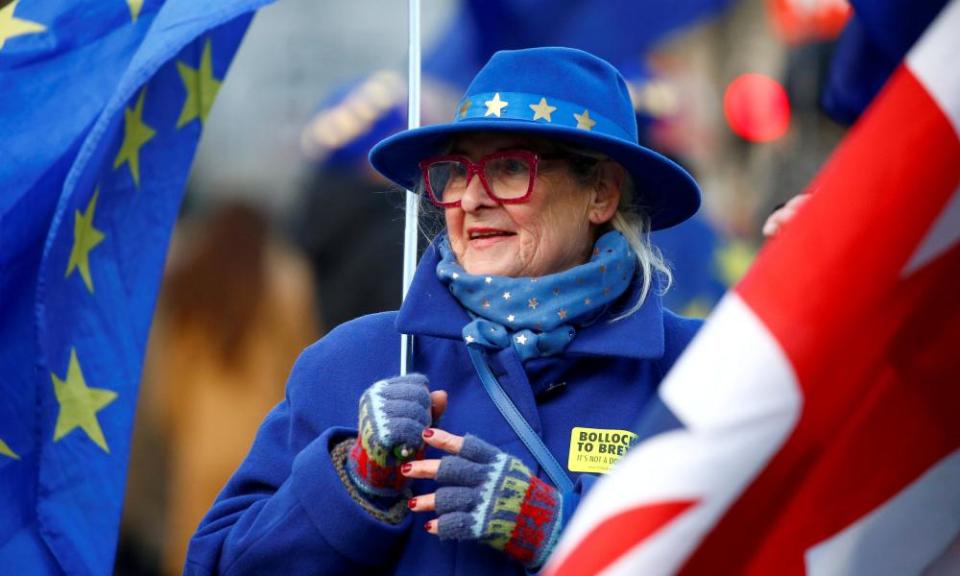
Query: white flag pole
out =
(413, 121)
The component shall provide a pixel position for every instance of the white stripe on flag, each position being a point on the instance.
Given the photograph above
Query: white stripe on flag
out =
(737, 397)
(944, 234)
(878, 543)
(933, 60)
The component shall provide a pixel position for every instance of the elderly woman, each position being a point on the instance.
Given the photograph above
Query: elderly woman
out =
(538, 327)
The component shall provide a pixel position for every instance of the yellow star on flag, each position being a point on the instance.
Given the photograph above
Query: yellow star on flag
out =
(542, 110)
(135, 135)
(85, 239)
(733, 260)
(201, 88)
(135, 7)
(584, 120)
(79, 404)
(7, 451)
(11, 27)
(697, 308)
(495, 106)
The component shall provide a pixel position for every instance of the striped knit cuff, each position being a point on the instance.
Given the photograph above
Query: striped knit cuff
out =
(537, 524)
(371, 477)
(386, 509)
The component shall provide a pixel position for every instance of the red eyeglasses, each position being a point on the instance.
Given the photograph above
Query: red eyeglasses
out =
(506, 176)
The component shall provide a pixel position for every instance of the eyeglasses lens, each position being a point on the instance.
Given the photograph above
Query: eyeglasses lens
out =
(507, 177)
(448, 180)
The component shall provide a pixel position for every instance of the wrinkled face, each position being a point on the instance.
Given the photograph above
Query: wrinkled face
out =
(552, 232)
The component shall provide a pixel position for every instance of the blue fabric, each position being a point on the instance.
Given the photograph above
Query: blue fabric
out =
(479, 28)
(569, 77)
(693, 249)
(537, 315)
(83, 235)
(520, 426)
(872, 45)
(285, 511)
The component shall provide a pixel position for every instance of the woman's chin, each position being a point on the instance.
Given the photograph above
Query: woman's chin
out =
(484, 257)
(491, 265)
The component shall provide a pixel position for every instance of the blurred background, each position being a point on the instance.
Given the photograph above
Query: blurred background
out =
(286, 232)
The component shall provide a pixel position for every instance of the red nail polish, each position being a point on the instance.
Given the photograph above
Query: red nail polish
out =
(428, 432)
(412, 503)
(406, 468)
(427, 526)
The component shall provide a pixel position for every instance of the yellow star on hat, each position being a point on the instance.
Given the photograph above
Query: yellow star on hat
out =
(584, 120)
(495, 106)
(542, 110)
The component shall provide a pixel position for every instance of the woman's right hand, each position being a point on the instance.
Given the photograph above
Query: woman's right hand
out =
(393, 414)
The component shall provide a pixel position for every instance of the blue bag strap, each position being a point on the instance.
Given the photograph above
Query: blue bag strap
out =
(530, 439)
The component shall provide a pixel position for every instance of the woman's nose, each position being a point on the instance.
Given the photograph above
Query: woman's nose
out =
(475, 196)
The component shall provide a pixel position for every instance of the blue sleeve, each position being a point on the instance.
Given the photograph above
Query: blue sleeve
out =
(285, 510)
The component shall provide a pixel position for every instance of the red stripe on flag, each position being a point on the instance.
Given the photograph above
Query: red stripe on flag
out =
(617, 534)
(905, 423)
(873, 352)
(872, 205)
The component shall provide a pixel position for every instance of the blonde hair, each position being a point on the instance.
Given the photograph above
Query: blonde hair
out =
(634, 224)
(632, 221)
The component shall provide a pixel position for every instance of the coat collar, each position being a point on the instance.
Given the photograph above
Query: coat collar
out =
(430, 310)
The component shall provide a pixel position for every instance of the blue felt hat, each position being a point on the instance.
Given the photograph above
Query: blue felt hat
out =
(558, 93)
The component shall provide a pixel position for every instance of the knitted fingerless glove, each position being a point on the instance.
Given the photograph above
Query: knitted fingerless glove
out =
(490, 496)
(393, 414)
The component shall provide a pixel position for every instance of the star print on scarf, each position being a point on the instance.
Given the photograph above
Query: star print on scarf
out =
(537, 315)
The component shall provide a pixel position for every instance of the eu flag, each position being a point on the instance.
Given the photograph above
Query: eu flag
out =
(101, 108)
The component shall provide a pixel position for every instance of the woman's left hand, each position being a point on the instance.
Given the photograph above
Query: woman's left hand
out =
(427, 469)
(487, 495)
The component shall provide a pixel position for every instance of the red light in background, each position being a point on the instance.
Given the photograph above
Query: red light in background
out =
(757, 108)
(802, 21)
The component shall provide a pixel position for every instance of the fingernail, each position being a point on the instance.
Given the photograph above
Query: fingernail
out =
(428, 432)
(406, 468)
(412, 503)
(427, 526)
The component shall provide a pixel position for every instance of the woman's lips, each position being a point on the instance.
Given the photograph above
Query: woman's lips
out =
(483, 237)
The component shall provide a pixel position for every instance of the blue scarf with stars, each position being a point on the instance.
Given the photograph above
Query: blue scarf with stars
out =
(537, 315)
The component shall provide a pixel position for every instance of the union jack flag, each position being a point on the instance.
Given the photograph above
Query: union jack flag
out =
(820, 401)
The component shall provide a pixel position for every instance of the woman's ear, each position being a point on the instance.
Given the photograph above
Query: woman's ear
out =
(606, 197)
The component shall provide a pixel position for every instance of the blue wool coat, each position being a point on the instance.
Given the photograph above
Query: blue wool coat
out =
(285, 510)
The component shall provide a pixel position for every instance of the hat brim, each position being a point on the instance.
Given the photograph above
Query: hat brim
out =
(664, 190)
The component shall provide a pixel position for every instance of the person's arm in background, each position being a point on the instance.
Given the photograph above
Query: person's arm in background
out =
(783, 214)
